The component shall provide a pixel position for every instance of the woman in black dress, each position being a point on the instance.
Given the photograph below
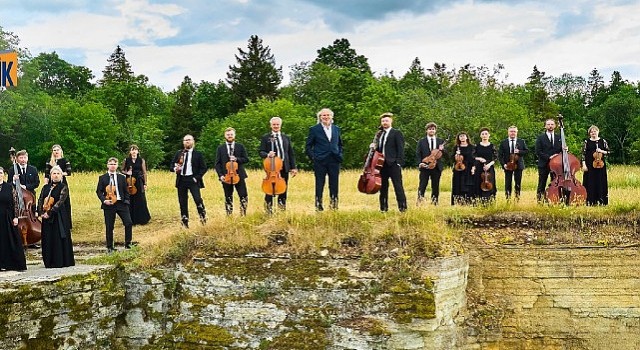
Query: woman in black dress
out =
(594, 179)
(136, 168)
(11, 249)
(57, 158)
(462, 186)
(486, 155)
(57, 247)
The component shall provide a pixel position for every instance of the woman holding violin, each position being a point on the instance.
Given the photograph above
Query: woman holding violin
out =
(594, 168)
(135, 168)
(230, 159)
(57, 158)
(11, 250)
(485, 175)
(462, 185)
(57, 248)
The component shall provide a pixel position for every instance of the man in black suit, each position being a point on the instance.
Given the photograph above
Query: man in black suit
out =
(391, 145)
(189, 166)
(324, 148)
(120, 206)
(28, 174)
(548, 145)
(512, 145)
(278, 144)
(231, 151)
(425, 146)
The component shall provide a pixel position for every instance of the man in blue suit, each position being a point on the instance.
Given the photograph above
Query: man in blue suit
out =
(324, 148)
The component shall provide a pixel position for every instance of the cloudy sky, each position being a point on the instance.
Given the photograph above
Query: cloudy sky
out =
(168, 39)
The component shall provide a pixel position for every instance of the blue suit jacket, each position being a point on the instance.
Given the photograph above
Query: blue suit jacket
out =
(319, 147)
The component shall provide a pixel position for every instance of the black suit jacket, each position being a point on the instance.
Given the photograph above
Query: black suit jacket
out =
(30, 179)
(394, 148)
(103, 182)
(319, 147)
(424, 149)
(544, 148)
(222, 157)
(198, 166)
(289, 161)
(504, 152)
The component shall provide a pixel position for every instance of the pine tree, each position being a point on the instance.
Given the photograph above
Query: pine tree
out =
(341, 55)
(181, 122)
(118, 69)
(255, 75)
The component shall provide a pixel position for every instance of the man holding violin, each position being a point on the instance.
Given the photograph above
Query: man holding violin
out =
(430, 149)
(277, 144)
(511, 155)
(112, 192)
(230, 159)
(189, 166)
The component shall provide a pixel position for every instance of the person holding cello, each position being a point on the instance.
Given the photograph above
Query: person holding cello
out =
(11, 251)
(430, 149)
(511, 155)
(594, 177)
(275, 144)
(230, 159)
(113, 194)
(391, 145)
(189, 166)
(548, 146)
(324, 148)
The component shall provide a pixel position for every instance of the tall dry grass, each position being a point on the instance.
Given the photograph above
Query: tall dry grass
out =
(358, 220)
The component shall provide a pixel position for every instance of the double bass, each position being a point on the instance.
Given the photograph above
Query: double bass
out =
(29, 226)
(565, 188)
(273, 183)
(370, 181)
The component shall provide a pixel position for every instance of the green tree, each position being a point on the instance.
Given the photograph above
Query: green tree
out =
(181, 119)
(539, 103)
(55, 76)
(255, 75)
(211, 101)
(341, 55)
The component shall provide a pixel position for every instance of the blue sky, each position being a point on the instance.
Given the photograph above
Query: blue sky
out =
(168, 39)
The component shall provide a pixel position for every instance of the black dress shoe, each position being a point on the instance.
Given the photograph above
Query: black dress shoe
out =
(33, 246)
(111, 250)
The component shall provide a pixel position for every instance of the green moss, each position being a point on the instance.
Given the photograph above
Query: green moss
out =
(208, 335)
(298, 340)
(45, 339)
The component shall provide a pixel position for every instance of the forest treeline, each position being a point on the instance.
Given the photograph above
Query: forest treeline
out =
(60, 103)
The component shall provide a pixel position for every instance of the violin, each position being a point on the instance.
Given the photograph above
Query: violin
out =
(48, 202)
(273, 183)
(29, 226)
(486, 185)
(370, 180)
(512, 164)
(432, 159)
(131, 185)
(111, 194)
(231, 177)
(459, 158)
(565, 187)
(598, 163)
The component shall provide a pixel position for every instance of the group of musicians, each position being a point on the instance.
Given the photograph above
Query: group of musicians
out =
(474, 176)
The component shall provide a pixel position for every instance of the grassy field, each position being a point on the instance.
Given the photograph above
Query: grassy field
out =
(358, 222)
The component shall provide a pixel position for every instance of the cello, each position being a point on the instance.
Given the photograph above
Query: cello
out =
(370, 181)
(29, 226)
(565, 188)
(273, 183)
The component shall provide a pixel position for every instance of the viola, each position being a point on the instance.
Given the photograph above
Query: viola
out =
(486, 185)
(48, 201)
(29, 226)
(564, 187)
(231, 177)
(432, 159)
(512, 164)
(111, 194)
(459, 158)
(131, 185)
(273, 183)
(370, 180)
(598, 163)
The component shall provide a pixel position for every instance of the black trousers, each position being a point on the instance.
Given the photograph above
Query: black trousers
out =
(282, 198)
(509, 176)
(321, 168)
(393, 172)
(122, 210)
(543, 176)
(185, 185)
(433, 174)
(241, 188)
